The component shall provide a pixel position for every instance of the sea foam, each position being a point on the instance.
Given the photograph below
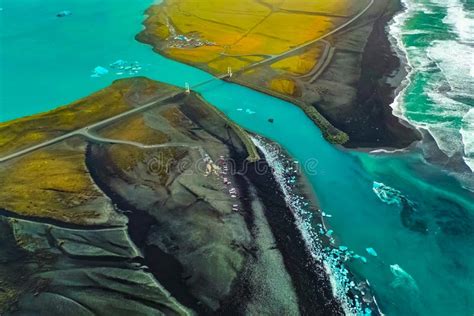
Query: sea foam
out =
(467, 132)
(449, 91)
(332, 258)
(460, 19)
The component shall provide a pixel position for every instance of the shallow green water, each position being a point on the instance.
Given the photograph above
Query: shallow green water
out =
(432, 240)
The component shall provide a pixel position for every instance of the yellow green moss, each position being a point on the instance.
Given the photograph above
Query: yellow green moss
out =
(285, 86)
(52, 184)
(110, 101)
(242, 28)
(134, 129)
(299, 64)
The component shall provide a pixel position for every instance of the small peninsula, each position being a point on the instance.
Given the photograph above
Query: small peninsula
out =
(319, 55)
(135, 202)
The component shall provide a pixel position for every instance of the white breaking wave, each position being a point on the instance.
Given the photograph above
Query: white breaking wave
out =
(461, 21)
(467, 132)
(395, 32)
(445, 128)
(338, 275)
(455, 60)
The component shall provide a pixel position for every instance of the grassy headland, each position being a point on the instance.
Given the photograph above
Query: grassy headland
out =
(306, 52)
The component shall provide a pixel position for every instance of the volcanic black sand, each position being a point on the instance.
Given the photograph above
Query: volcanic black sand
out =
(377, 126)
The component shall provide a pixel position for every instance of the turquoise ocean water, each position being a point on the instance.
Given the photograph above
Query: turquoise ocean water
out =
(417, 217)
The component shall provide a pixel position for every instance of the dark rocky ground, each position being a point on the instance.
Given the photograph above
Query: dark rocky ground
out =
(355, 90)
(180, 242)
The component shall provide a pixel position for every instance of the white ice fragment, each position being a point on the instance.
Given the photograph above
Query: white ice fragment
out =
(63, 13)
(99, 71)
(249, 111)
(371, 251)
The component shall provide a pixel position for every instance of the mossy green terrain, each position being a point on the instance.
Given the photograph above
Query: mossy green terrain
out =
(307, 52)
(54, 183)
(171, 168)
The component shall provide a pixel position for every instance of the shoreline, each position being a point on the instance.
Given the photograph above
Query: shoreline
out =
(373, 124)
(305, 212)
(427, 143)
(312, 282)
(313, 290)
(309, 281)
(383, 73)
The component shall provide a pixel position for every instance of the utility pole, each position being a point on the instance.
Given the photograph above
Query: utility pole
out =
(188, 89)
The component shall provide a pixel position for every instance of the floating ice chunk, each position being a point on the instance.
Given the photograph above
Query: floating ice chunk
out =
(329, 232)
(343, 248)
(363, 259)
(371, 251)
(249, 111)
(402, 279)
(99, 71)
(326, 215)
(387, 194)
(125, 67)
(240, 109)
(118, 63)
(63, 13)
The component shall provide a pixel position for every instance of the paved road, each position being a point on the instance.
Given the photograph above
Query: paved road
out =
(87, 134)
(321, 61)
(105, 140)
(85, 130)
